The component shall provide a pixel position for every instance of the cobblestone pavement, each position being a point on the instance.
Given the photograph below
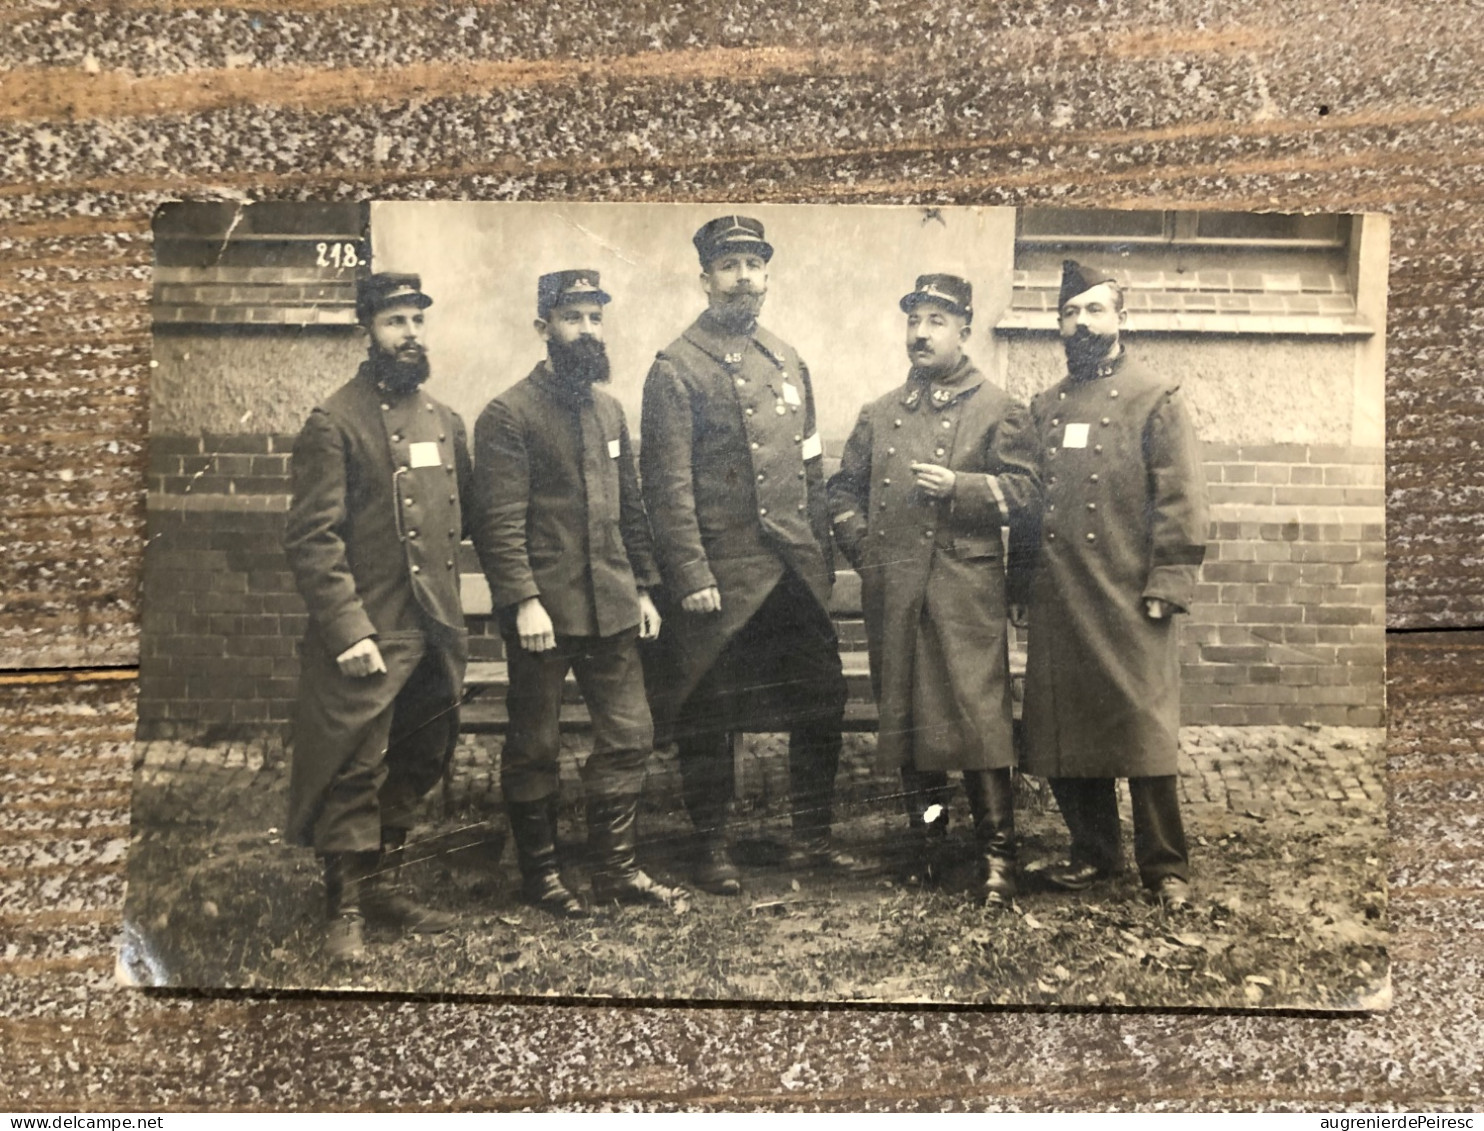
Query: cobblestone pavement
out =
(1253, 771)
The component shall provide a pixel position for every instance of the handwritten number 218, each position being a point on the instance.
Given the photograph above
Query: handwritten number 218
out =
(336, 255)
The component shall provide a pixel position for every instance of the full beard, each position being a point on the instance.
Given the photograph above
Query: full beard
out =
(1085, 350)
(580, 364)
(738, 310)
(402, 372)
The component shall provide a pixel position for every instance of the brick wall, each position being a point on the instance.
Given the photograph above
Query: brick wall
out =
(222, 620)
(1288, 625)
(1287, 628)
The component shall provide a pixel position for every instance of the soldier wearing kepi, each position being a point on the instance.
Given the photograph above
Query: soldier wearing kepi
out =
(733, 480)
(560, 530)
(929, 476)
(372, 538)
(1123, 536)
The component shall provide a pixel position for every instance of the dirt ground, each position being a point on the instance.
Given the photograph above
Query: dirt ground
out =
(1290, 907)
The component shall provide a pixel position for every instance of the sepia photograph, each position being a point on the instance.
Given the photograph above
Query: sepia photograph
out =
(773, 603)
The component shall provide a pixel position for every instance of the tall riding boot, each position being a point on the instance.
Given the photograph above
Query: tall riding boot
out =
(924, 797)
(992, 802)
(813, 759)
(533, 831)
(707, 785)
(612, 834)
(387, 900)
(345, 876)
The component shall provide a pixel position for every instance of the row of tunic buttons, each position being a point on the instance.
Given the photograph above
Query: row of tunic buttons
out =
(780, 408)
(411, 502)
(1051, 481)
(797, 439)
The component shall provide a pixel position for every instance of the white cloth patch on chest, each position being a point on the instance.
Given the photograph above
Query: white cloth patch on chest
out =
(424, 453)
(613, 449)
(813, 446)
(1075, 436)
(791, 394)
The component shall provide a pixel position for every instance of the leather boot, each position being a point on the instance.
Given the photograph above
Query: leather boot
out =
(813, 759)
(345, 875)
(707, 785)
(611, 841)
(387, 900)
(992, 802)
(714, 871)
(925, 799)
(534, 833)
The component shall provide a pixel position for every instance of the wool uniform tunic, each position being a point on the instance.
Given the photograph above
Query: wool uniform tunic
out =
(372, 538)
(933, 584)
(1124, 518)
(558, 513)
(731, 464)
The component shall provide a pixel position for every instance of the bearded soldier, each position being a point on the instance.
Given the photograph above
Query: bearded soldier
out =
(372, 538)
(929, 476)
(1123, 535)
(561, 534)
(732, 476)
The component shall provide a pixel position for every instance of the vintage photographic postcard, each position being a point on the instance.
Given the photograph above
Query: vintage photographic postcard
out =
(765, 603)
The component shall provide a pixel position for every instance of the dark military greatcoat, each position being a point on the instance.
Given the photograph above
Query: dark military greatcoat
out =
(372, 538)
(933, 585)
(1124, 518)
(734, 485)
(557, 512)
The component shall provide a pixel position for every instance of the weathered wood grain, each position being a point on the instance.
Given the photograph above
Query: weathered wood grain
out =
(111, 110)
(72, 1039)
(106, 110)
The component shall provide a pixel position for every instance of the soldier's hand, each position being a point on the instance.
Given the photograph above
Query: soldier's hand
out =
(1156, 609)
(1019, 616)
(649, 618)
(533, 626)
(706, 600)
(932, 480)
(361, 659)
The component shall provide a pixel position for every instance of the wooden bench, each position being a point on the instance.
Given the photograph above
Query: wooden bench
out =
(486, 680)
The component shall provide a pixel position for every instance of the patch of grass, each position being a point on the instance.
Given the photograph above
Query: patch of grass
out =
(1289, 912)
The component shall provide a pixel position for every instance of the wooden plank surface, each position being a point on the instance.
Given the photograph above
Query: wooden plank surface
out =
(108, 110)
(72, 1039)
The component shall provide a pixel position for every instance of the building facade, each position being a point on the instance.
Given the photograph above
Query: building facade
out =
(1273, 325)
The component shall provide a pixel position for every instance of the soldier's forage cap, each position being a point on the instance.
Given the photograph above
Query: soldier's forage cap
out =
(947, 291)
(1076, 278)
(562, 288)
(731, 233)
(374, 293)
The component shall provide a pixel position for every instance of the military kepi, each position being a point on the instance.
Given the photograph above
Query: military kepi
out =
(562, 288)
(728, 234)
(1076, 278)
(374, 293)
(948, 291)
